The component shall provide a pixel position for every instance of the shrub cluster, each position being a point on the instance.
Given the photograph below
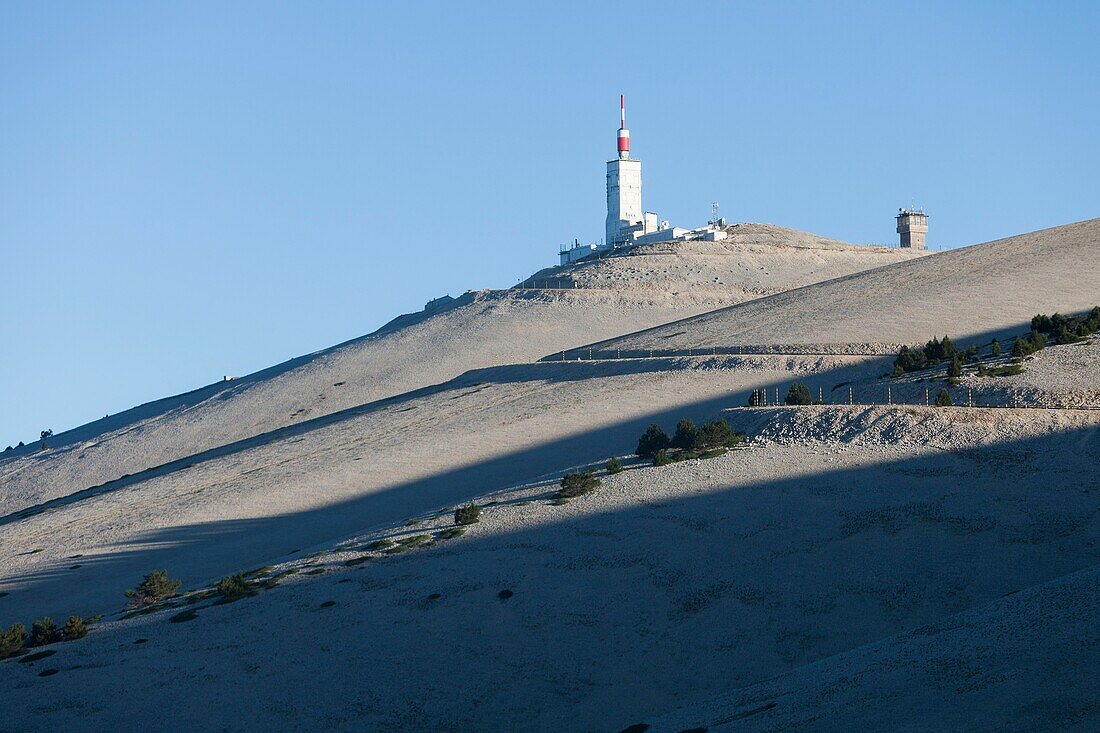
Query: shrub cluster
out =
(469, 514)
(1068, 329)
(614, 465)
(43, 631)
(920, 357)
(577, 484)
(1029, 344)
(689, 441)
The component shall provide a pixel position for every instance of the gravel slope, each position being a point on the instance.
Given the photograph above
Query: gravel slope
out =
(478, 330)
(664, 587)
(975, 292)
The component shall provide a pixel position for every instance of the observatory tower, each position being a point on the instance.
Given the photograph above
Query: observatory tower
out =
(624, 189)
(912, 226)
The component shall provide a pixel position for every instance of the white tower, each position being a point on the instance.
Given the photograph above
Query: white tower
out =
(624, 189)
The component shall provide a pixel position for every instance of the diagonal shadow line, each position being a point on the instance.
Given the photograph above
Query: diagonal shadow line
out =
(508, 374)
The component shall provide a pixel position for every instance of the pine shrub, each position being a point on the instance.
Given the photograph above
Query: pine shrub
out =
(660, 458)
(469, 514)
(577, 484)
(798, 394)
(234, 587)
(155, 587)
(996, 348)
(44, 631)
(11, 641)
(74, 628)
(719, 434)
(686, 436)
(613, 466)
(652, 440)
(943, 399)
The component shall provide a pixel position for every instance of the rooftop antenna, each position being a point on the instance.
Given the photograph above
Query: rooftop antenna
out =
(714, 213)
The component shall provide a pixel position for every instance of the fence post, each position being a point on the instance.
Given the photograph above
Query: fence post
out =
(970, 396)
(777, 395)
(926, 397)
(889, 396)
(850, 402)
(821, 395)
(590, 353)
(618, 353)
(563, 356)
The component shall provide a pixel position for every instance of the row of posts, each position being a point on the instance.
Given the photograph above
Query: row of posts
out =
(760, 398)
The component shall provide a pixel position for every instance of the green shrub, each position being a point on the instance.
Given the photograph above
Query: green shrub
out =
(451, 532)
(910, 360)
(798, 394)
(898, 371)
(686, 436)
(652, 440)
(660, 458)
(234, 587)
(1029, 344)
(577, 484)
(943, 399)
(613, 465)
(469, 514)
(11, 641)
(74, 628)
(408, 543)
(382, 544)
(955, 369)
(719, 434)
(155, 587)
(996, 348)
(44, 631)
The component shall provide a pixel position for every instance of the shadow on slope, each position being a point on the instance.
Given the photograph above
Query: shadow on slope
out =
(687, 582)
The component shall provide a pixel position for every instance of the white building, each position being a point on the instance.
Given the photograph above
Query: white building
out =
(627, 223)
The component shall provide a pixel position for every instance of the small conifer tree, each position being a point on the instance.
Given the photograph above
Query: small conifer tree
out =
(11, 641)
(155, 587)
(74, 628)
(943, 399)
(613, 465)
(686, 436)
(44, 631)
(652, 440)
(996, 350)
(798, 394)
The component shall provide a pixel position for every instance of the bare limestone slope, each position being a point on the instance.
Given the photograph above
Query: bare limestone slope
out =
(663, 587)
(978, 291)
(1024, 662)
(611, 297)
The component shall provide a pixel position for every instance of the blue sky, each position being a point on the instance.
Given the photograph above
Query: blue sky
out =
(195, 189)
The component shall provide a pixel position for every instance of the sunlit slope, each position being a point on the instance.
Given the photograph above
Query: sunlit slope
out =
(582, 303)
(981, 290)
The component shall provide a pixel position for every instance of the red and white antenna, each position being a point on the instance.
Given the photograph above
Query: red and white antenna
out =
(624, 134)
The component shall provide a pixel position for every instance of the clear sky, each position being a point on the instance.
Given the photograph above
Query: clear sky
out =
(193, 189)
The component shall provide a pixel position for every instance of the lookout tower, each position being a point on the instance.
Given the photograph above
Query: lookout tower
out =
(912, 226)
